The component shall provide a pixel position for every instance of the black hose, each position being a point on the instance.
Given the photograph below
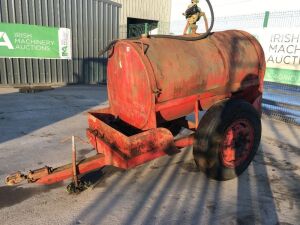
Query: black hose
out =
(111, 44)
(183, 38)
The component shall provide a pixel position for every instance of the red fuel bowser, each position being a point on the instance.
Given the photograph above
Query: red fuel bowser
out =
(153, 83)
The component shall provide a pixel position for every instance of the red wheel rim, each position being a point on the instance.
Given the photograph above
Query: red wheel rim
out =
(237, 144)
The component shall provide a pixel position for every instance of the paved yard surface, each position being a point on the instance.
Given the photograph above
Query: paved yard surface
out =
(33, 133)
(282, 102)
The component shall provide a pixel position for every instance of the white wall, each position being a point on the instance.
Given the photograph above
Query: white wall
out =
(159, 10)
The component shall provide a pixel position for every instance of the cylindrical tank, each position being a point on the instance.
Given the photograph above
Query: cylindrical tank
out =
(147, 73)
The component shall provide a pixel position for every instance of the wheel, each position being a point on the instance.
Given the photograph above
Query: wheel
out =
(227, 139)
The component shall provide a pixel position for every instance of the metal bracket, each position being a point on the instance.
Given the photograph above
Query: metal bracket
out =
(15, 178)
(33, 176)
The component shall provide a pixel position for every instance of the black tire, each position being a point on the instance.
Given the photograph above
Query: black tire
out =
(236, 119)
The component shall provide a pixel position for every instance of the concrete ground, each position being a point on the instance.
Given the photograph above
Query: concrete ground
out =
(282, 102)
(35, 130)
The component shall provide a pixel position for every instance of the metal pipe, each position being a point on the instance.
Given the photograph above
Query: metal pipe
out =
(196, 114)
(75, 177)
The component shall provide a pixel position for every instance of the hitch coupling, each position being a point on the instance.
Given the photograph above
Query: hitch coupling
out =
(31, 177)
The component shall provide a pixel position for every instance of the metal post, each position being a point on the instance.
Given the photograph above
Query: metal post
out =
(266, 19)
(74, 166)
(146, 28)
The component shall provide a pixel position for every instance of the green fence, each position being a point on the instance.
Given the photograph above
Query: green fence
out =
(281, 97)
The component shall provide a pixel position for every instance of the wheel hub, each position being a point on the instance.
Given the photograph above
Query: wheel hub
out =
(237, 144)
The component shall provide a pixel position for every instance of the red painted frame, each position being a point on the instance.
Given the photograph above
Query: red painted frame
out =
(115, 148)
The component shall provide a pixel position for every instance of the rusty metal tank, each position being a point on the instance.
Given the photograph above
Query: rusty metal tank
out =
(152, 80)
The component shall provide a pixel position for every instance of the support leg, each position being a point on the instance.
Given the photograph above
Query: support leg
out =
(196, 111)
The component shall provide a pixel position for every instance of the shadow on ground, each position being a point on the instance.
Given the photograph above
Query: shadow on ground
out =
(173, 191)
(22, 113)
(12, 195)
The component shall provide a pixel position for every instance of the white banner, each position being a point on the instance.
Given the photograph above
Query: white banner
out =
(281, 46)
